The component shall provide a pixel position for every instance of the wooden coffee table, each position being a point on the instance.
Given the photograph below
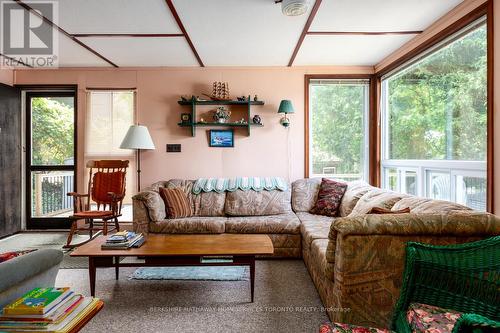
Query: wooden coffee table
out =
(179, 250)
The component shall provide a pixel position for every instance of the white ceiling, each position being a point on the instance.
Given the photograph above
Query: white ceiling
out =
(379, 15)
(239, 32)
(356, 50)
(148, 52)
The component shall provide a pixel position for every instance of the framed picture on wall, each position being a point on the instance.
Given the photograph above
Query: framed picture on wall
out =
(221, 138)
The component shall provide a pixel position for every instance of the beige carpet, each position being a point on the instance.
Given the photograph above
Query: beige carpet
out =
(285, 301)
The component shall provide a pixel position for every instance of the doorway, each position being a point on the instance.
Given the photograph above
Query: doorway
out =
(50, 158)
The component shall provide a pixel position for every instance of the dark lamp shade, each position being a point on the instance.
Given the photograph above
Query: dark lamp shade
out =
(286, 106)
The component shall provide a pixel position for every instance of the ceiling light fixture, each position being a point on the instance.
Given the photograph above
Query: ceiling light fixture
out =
(293, 7)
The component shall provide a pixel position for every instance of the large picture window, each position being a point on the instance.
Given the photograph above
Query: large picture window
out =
(338, 111)
(109, 115)
(434, 121)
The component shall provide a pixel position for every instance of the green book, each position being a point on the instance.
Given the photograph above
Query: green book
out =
(37, 301)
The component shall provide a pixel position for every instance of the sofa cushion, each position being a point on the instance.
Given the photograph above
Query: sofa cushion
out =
(304, 194)
(329, 197)
(190, 225)
(313, 227)
(419, 205)
(355, 190)
(205, 203)
(376, 198)
(177, 204)
(271, 224)
(423, 318)
(253, 203)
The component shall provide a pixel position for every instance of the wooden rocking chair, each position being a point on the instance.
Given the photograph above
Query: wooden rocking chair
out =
(106, 188)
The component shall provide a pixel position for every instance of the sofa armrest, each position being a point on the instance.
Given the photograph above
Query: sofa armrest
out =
(141, 217)
(461, 224)
(19, 269)
(366, 254)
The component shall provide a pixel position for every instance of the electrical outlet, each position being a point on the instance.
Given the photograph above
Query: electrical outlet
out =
(173, 148)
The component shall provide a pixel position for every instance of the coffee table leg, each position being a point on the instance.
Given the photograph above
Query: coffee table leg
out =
(252, 276)
(117, 267)
(92, 276)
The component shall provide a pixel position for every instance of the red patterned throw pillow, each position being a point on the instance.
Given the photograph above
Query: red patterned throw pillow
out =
(13, 254)
(329, 198)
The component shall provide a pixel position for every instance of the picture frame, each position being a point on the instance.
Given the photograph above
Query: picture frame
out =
(221, 138)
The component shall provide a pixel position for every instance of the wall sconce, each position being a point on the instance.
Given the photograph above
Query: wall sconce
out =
(286, 107)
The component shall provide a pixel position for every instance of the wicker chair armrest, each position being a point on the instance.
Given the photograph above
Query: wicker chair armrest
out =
(471, 322)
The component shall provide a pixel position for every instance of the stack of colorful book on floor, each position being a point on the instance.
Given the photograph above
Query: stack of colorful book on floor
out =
(123, 240)
(57, 310)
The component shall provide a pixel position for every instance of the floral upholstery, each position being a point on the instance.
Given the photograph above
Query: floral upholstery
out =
(252, 203)
(347, 328)
(424, 318)
(419, 205)
(376, 198)
(273, 224)
(154, 204)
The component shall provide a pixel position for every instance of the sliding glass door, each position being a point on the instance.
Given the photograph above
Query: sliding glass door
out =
(50, 158)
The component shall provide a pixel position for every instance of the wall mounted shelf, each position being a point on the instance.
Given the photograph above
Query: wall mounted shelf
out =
(194, 103)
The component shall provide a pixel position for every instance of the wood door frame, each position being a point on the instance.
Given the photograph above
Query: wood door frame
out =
(307, 79)
(53, 91)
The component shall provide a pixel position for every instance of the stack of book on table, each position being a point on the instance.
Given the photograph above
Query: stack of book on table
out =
(123, 240)
(57, 310)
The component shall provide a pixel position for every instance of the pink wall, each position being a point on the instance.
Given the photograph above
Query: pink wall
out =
(7, 76)
(271, 150)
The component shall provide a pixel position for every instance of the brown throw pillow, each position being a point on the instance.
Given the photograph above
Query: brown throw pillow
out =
(380, 210)
(329, 197)
(176, 203)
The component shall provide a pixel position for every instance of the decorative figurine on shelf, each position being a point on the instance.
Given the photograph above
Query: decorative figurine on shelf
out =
(255, 98)
(202, 120)
(241, 98)
(222, 114)
(185, 118)
(257, 120)
(242, 121)
(184, 98)
(220, 91)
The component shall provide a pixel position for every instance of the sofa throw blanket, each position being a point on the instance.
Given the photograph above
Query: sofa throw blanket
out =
(221, 185)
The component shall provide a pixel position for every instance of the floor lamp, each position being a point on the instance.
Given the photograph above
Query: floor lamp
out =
(138, 138)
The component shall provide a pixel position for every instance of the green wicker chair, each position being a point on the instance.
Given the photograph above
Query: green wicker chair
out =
(464, 277)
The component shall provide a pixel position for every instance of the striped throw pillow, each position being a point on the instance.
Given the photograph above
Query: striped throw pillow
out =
(176, 203)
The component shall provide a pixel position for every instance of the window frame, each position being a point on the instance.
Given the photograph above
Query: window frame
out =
(485, 10)
(308, 116)
(453, 168)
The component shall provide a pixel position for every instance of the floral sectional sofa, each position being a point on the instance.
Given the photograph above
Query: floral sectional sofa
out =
(355, 260)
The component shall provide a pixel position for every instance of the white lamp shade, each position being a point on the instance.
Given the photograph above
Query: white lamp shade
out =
(137, 137)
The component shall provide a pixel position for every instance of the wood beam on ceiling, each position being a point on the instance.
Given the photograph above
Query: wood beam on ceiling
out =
(309, 21)
(28, 8)
(367, 33)
(184, 32)
(15, 60)
(128, 35)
